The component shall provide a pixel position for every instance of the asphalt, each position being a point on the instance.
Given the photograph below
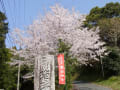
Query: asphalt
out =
(80, 85)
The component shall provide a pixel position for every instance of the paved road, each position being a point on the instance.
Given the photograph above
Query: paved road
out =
(80, 85)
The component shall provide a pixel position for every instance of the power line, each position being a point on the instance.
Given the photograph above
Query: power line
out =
(4, 9)
(15, 10)
(13, 13)
(19, 9)
(24, 13)
(3, 6)
(10, 9)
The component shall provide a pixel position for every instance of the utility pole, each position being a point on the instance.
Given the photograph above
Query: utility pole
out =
(18, 83)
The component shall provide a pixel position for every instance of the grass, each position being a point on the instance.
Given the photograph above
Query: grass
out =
(112, 82)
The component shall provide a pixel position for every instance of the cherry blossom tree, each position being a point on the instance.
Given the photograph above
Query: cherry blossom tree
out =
(42, 36)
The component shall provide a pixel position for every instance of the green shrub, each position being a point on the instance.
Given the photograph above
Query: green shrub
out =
(111, 62)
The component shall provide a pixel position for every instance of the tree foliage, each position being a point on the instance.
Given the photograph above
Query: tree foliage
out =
(108, 20)
(110, 31)
(7, 80)
(3, 30)
(26, 72)
(110, 10)
(112, 62)
(43, 35)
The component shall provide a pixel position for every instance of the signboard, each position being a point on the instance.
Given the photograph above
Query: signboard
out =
(61, 69)
(44, 73)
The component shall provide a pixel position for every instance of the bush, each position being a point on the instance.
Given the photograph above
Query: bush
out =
(111, 62)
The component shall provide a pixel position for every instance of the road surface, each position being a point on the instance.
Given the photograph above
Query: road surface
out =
(80, 85)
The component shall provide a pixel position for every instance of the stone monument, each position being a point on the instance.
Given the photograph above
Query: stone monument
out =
(44, 73)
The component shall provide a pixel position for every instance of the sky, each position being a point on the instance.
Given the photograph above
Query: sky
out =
(21, 13)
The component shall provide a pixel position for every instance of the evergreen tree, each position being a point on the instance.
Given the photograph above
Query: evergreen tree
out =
(110, 10)
(6, 75)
